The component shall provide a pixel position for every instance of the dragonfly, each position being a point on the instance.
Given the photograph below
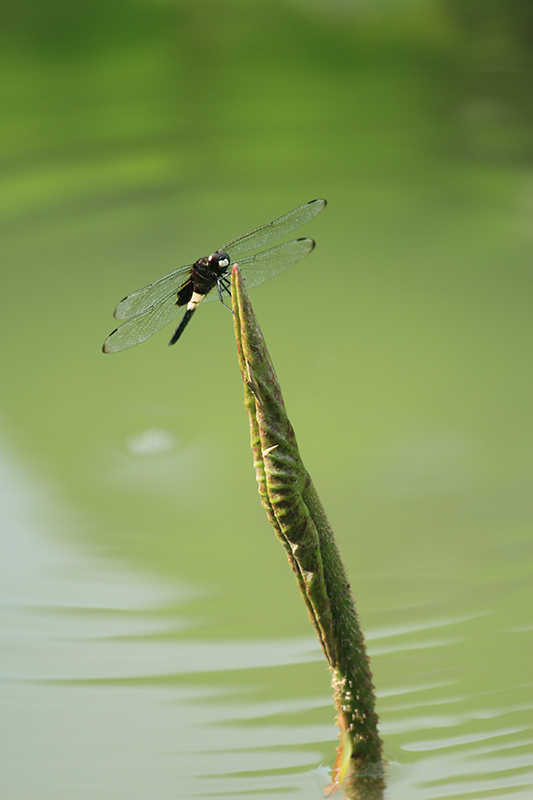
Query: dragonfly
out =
(149, 309)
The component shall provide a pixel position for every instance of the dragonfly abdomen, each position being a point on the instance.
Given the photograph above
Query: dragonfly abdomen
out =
(183, 324)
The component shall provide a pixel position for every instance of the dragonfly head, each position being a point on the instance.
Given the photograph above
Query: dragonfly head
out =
(219, 262)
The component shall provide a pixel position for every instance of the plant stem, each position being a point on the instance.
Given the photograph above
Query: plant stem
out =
(300, 522)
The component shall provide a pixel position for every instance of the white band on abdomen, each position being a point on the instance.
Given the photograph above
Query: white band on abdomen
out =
(195, 301)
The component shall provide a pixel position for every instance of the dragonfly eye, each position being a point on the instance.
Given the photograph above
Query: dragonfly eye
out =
(219, 260)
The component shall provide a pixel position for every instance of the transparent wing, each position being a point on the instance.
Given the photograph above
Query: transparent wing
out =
(138, 328)
(141, 300)
(259, 268)
(268, 233)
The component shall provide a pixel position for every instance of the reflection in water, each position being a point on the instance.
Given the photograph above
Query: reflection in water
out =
(150, 442)
(99, 682)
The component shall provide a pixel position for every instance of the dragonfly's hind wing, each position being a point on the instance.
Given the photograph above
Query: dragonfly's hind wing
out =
(268, 233)
(141, 300)
(259, 268)
(142, 326)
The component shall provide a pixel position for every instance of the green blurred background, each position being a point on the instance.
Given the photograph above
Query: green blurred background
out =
(140, 135)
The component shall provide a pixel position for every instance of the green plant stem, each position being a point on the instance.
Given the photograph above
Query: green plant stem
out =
(299, 520)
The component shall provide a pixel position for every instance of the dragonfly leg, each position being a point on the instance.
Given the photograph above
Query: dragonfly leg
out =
(223, 285)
